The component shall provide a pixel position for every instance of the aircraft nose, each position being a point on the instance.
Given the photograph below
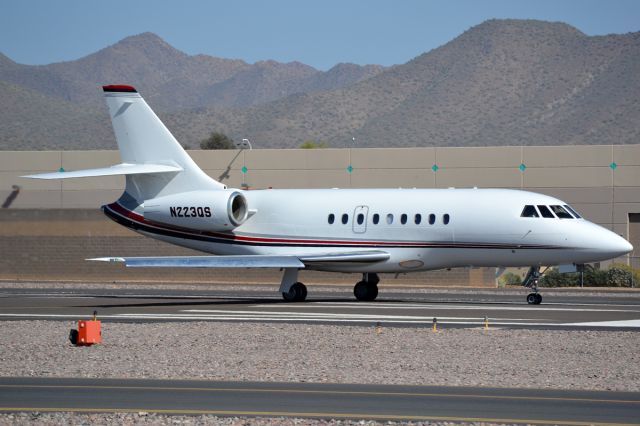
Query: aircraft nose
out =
(605, 243)
(618, 246)
(626, 246)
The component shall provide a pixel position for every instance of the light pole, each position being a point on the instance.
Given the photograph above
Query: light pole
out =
(244, 144)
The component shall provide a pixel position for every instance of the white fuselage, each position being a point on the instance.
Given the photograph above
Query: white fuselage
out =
(484, 228)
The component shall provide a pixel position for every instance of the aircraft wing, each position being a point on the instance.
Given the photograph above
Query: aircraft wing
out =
(247, 261)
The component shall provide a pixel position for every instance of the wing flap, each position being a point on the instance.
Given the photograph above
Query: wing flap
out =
(120, 169)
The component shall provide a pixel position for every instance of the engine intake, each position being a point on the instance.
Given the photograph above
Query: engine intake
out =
(202, 210)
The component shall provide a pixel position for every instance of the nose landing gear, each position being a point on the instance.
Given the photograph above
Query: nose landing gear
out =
(531, 281)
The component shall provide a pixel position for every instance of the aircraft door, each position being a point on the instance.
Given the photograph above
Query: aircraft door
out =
(360, 219)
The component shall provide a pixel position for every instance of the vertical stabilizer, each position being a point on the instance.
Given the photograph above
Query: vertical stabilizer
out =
(143, 139)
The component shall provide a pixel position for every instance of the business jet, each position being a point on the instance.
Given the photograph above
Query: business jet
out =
(368, 231)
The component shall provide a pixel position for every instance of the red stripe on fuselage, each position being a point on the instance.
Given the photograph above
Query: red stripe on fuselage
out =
(118, 208)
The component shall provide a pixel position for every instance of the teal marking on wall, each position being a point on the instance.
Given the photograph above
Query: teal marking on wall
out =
(244, 169)
(613, 165)
(349, 168)
(435, 168)
(61, 169)
(522, 167)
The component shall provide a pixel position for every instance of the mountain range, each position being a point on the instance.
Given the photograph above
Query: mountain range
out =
(503, 82)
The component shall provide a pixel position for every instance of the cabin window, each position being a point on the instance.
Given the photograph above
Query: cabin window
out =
(403, 219)
(376, 218)
(331, 218)
(389, 218)
(417, 219)
(529, 211)
(561, 212)
(345, 218)
(575, 213)
(360, 219)
(545, 212)
(432, 219)
(445, 219)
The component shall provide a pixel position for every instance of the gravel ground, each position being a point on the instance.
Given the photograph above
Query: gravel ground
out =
(159, 419)
(313, 353)
(327, 353)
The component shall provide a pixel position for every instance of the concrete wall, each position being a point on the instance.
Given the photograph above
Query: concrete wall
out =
(601, 182)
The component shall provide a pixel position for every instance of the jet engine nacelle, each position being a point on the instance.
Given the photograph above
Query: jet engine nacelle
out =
(221, 210)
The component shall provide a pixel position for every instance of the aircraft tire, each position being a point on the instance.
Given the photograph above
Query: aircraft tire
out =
(365, 292)
(538, 298)
(297, 293)
(532, 299)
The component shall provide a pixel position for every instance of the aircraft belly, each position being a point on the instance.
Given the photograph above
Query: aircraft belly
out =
(205, 246)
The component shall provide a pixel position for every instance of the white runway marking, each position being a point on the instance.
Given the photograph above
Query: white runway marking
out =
(328, 315)
(391, 320)
(623, 323)
(523, 307)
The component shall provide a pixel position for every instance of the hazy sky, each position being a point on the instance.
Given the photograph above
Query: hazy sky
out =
(318, 33)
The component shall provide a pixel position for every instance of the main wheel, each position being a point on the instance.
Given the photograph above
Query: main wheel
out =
(297, 293)
(532, 298)
(538, 298)
(365, 291)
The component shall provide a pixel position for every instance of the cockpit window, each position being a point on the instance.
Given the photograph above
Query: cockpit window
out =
(529, 211)
(575, 213)
(545, 212)
(561, 212)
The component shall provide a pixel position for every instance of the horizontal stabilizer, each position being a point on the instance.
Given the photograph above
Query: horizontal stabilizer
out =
(120, 169)
(248, 261)
(207, 261)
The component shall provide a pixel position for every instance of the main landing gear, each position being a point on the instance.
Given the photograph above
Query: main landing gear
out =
(367, 289)
(531, 281)
(291, 289)
(294, 291)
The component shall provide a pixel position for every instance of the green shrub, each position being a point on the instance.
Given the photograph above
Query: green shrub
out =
(553, 278)
(593, 277)
(618, 275)
(621, 275)
(217, 140)
(509, 278)
(313, 145)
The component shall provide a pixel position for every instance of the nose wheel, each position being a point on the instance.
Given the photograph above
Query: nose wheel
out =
(534, 298)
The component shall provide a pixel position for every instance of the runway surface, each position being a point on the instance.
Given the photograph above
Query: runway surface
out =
(451, 309)
(320, 400)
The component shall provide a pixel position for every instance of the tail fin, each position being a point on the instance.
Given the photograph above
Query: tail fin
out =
(143, 139)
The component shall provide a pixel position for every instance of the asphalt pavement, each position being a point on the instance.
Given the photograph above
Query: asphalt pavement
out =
(336, 306)
(494, 405)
